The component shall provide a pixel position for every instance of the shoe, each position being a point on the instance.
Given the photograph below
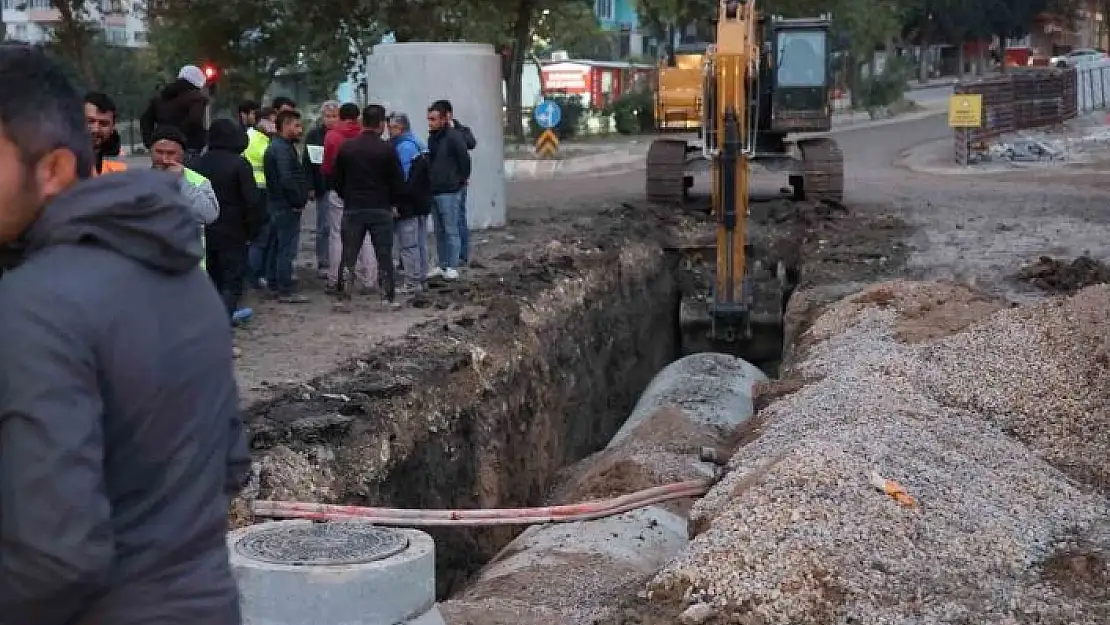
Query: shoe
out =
(451, 274)
(241, 316)
(408, 289)
(435, 272)
(236, 352)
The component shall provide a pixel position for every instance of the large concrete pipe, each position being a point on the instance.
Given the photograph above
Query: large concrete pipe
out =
(408, 77)
(570, 574)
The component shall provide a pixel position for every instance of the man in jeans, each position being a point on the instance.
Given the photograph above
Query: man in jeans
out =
(448, 171)
(413, 211)
(286, 196)
(471, 143)
(369, 180)
(313, 159)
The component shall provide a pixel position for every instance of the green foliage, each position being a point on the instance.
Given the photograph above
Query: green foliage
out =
(572, 110)
(887, 88)
(634, 112)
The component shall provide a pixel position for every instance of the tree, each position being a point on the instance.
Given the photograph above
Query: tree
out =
(74, 35)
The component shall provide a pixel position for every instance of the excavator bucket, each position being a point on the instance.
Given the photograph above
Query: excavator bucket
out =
(755, 333)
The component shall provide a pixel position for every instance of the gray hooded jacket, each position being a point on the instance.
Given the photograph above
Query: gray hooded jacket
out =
(120, 436)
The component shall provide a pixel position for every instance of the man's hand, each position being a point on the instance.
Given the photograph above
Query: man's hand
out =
(311, 196)
(175, 168)
(396, 213)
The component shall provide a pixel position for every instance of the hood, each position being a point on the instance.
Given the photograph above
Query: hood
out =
(176, 89)
(348, 129)
(408, 136)
(138, 214)
(227, 135)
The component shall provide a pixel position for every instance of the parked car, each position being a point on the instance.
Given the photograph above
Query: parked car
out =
(1078, 58)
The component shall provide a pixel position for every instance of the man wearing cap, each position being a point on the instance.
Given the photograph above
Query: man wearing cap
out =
(182, 104)
(167, 153)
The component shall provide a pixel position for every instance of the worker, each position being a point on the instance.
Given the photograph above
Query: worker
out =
(122, 439)
(258, 139)
(100, 116)
(183, 104)
(167, 151)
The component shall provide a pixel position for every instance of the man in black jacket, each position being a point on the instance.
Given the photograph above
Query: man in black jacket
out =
(449, 170)
(122, 440)
(369, 180)
(241, 211)
(183, 105)
(287, 190)
(471, 143)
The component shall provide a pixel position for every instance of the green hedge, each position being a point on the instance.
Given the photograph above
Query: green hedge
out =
(634, 112)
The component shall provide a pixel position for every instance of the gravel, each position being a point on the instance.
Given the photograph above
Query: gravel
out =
(797, 534)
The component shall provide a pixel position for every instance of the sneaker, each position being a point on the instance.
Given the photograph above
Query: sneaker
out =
(236, 352)
(451, 274)
(435, 272)
(242, 316)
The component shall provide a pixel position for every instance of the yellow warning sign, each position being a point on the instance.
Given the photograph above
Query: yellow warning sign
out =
(965, 111)
(547, 144)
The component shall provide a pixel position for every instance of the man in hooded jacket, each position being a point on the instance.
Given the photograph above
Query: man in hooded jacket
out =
(183, 105)
(242, 211)
(121, 442)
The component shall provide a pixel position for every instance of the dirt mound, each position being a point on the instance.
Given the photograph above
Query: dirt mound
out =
(1057, 276)
(798, 533)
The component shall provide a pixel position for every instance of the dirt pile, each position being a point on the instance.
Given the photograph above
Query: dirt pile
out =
(798, 532)
(1057, 276)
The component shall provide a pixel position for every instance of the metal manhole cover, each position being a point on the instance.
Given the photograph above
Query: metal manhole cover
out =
(322, 544)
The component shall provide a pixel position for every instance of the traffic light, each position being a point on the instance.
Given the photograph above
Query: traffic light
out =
(211, 76)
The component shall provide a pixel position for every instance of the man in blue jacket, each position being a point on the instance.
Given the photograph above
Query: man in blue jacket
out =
(120, 437)
(287, 189)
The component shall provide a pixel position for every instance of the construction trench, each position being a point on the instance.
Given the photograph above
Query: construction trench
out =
(548, 402)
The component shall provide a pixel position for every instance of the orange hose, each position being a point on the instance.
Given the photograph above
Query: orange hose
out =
(400, 517)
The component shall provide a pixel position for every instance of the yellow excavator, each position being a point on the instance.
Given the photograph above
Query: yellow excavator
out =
(762, 79)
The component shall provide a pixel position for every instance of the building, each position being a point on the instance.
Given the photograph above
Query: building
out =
(619, 17)
(33, 21)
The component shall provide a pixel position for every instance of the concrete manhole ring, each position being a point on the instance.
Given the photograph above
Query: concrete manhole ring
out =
(322, 544)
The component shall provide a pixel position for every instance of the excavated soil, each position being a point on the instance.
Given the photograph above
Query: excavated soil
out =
(1058, 276)
(538, 364)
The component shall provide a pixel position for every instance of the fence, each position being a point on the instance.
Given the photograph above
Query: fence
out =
(1026, 98)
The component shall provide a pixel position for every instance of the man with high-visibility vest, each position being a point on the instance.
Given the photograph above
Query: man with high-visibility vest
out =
(100, 116)
(258, 140)
(167, 151)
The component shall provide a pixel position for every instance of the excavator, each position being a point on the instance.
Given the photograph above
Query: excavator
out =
(761, 80)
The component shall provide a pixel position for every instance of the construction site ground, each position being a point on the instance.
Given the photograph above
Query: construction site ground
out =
(975, 380)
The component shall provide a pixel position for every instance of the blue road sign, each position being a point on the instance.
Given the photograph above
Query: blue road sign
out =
(547, 114)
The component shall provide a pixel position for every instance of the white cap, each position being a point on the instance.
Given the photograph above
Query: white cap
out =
(193, 75)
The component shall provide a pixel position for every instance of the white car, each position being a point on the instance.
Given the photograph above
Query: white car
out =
(1078, 58)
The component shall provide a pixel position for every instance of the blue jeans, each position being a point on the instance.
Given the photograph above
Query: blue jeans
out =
(256, 256)
(285, 240)
(446, 220)
(464, 229)
(323, 232)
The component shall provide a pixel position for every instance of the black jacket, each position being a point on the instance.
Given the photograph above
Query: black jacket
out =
(467, 134)
(119, 414)
(286, 180)
(315, 136)
(368, 174)
(242, 211)
(180, 105)
(450, 166)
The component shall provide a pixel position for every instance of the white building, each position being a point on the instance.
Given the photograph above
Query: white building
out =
(33, 21)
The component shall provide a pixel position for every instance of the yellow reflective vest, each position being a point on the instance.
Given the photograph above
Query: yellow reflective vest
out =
(194, 178)
(257, 142)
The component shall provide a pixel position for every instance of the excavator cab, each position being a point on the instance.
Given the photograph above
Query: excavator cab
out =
(800, 73)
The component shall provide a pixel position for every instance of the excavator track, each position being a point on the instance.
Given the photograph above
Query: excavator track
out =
(822, 170)
(666, 171)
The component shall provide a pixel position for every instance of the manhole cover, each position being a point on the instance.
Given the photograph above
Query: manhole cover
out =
(321, 544)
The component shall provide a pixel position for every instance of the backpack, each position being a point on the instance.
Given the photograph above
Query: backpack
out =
(418, 187)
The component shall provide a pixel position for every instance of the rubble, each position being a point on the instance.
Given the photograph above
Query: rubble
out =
(797, 533)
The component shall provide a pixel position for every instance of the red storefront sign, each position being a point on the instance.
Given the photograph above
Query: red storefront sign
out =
(567, 78)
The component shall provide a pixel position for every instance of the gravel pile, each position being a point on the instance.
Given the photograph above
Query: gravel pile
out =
(797, 533)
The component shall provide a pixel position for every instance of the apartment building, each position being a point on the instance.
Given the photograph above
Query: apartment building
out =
(619, 17)
(33, 21)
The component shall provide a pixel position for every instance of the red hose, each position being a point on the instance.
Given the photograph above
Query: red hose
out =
(400, 517)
